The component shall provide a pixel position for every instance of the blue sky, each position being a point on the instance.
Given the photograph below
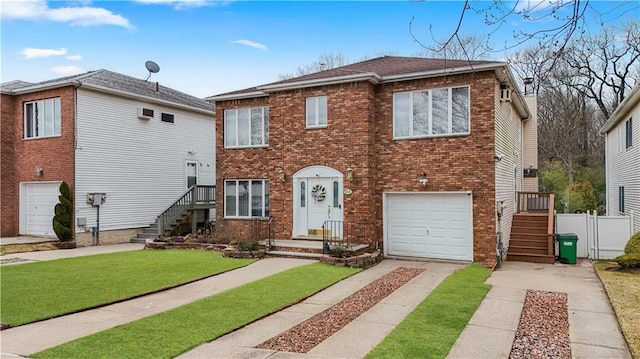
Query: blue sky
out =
(205, 48)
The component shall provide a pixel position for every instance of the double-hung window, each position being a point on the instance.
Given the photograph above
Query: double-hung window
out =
(628, 130)
(246, 127)
(246, 198)
(316, 112)
(431, 113)
(42, 118)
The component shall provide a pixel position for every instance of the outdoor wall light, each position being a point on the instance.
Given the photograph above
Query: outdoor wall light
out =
(281, 175)
(191, 152)
(349, 173)
(423, 180)
(38, 171)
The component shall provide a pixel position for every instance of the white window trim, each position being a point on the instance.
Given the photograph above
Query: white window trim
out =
(264, 205)
(59, 120)
(265, 135)
(316, 114)
(430, 119)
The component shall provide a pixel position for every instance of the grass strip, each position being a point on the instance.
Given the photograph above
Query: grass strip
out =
(623, 290)
(43, 290)
(431, 329)
(168, 334)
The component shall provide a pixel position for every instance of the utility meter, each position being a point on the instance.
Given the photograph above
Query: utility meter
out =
(96, 199)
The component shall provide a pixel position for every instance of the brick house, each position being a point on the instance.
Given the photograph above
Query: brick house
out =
(413, 156)
(141, 143)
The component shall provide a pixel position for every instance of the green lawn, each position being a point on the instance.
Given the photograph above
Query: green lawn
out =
(37, 291)
(168, 334)
(433, 327)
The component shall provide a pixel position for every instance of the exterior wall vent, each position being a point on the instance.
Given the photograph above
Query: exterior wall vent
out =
(145, 113)
(505, 93)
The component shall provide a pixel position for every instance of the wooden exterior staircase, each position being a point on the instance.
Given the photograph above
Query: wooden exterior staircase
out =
(181, 212)
(532, 230)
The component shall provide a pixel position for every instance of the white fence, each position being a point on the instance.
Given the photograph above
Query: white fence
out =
(599, 237)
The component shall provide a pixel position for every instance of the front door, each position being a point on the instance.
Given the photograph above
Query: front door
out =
(192, 174)
(318, 198)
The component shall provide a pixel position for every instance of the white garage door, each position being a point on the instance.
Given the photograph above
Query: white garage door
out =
(38, 202)
(429, 225)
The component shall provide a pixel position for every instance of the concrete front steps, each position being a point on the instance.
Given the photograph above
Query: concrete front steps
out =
(147, 233)
(529, 239)
(308, 247)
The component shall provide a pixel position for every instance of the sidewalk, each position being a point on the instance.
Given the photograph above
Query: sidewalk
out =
(593, 327)
(68, 253)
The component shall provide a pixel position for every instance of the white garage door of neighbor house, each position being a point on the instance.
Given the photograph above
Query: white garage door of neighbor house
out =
(39, 201)
(429, 225)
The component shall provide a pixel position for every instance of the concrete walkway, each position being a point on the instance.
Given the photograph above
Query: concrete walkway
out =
(594, 331)
(32, 338)
(26, 240)
(354, 340)
(69, 253)
(593, 327)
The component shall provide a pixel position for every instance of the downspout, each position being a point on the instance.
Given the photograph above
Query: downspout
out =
(76, 86)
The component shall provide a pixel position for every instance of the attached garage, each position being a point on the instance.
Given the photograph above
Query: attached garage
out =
(436, 225)
(37, 200)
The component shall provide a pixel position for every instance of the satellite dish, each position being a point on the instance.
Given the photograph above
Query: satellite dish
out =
(152, 67)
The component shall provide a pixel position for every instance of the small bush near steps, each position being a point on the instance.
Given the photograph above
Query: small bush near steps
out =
(631, 256)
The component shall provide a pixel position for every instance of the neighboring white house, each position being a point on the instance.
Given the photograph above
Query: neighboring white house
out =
(140, 143)
(622, 158)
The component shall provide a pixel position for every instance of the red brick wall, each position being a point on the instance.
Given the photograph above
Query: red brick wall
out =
(8, 210)
(359, 135)
(55, 154)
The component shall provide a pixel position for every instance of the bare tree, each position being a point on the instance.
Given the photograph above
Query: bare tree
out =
(566, 19)
(471, 47)
(324, 62)
(604, 68)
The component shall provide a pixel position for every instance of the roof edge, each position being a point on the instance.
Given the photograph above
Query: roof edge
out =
(237, 96)
(145, 98)
(622, 110)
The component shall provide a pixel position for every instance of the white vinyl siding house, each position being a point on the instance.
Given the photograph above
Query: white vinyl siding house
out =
(143, 164)
(508, 168)
(622, 158)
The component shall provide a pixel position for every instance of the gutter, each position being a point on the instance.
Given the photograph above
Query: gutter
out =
(621, 111)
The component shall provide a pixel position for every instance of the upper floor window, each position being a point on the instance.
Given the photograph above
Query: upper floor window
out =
(167, 117)
(431, 113)
(246, 127)
(317, 111)
(42, 118)
(628, 130)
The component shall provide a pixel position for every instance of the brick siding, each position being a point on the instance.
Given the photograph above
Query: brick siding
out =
(20, 157)
(359, 135)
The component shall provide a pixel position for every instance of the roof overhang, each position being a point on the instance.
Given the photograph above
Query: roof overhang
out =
(501, 69)
(145, 98)
(78, 84)
(621, 112)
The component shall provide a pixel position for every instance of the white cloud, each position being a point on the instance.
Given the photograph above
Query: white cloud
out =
(74, 57)
(255, 45)
(178, 4)
(33, 53)
(67, 70)
(38, 10)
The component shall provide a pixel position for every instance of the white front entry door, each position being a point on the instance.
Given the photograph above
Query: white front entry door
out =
(318, 195)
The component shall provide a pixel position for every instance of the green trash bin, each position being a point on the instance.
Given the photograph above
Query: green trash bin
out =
(567, 247)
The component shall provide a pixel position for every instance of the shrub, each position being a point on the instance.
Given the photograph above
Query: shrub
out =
(631, 256)
(63, 212)
(247, 245)
(633, 246)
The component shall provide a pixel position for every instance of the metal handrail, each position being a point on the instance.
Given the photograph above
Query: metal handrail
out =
(194, 195)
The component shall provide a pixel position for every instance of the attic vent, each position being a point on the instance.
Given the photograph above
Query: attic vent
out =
(145, 113)
(505, 93)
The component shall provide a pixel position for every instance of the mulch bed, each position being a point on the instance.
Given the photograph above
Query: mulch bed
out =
(306, 335)
(543, 331)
